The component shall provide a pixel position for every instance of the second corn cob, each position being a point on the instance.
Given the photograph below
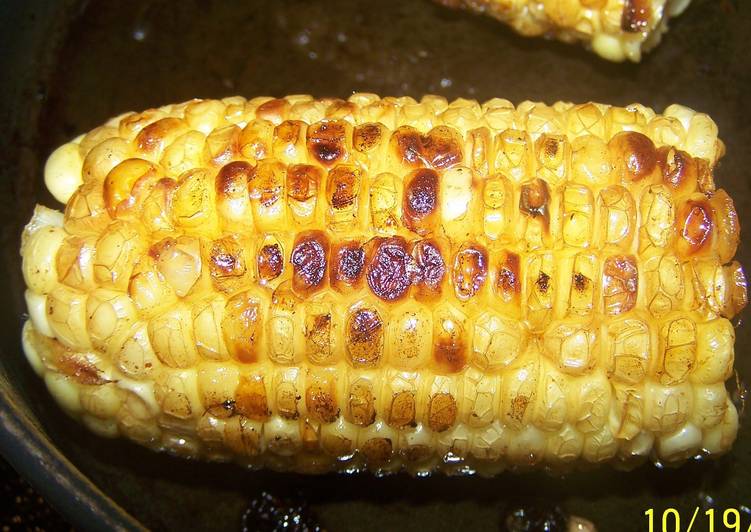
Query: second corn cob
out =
(616, 30)
(332, 285)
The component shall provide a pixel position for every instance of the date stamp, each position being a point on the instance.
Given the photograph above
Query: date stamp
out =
(711, 520)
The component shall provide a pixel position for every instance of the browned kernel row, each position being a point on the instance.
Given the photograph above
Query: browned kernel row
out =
(335, 410)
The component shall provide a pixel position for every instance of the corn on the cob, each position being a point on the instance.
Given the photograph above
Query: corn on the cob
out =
(616, 30)
(333, 285)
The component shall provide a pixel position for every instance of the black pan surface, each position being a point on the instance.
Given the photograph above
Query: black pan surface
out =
(67, 67)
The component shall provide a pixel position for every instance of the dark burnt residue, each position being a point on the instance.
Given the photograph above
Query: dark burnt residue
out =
(580, 281)
(390, 269)
(348, 260)
(327, 141)
(309, 259)
(430, 267)
(508, 277)
(636, 15)
(543, 282)
(420, 200)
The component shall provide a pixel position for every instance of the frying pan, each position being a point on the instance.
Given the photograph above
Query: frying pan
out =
(67, 66)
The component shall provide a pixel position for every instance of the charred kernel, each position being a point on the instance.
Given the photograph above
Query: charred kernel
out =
(270, 262)
(391, 269)
(303, 181)
(365, 338)
(343, 187)
(534, 200)
(620, 284)
(232, 179)
(377, 451)
(250, 398)
(309, 257)
(636, 16)
(327, 141)
(470, 270)
(430, 268)
(580, 281)
(348, 260)
(420, 201)
(543, 282)
(508, 284)
(440, 148)
(152, 137)
(679, 169)
(634, 155)
(442, 412)
(695, 226)
(367, 136)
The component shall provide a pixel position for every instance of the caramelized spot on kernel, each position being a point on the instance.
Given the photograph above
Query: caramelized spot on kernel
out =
(420, 200)
(391, 269)
(580, 282)
(326, 141)
(470, 270)
(342, 187)
(678, 168)
(449, 349)
(440, 148)
(534, 200)
(152, 136)
(635, 154)
(365, 337)
(518, 407)
(402, 411)
(508, 277)
(348, 263)
(242, 327)
(442, 412)
(430, 267)
(543, 282)
(225, 258)
(81, 370)
(233, 178)
(270, 262)
(273, 110)
(309, 261)
(288, 131)
(250, 398)
(302, 181)
(367, 136)
(321, 403)
(620, 284)
(550, 147)
(636, 15)
(696, 228)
